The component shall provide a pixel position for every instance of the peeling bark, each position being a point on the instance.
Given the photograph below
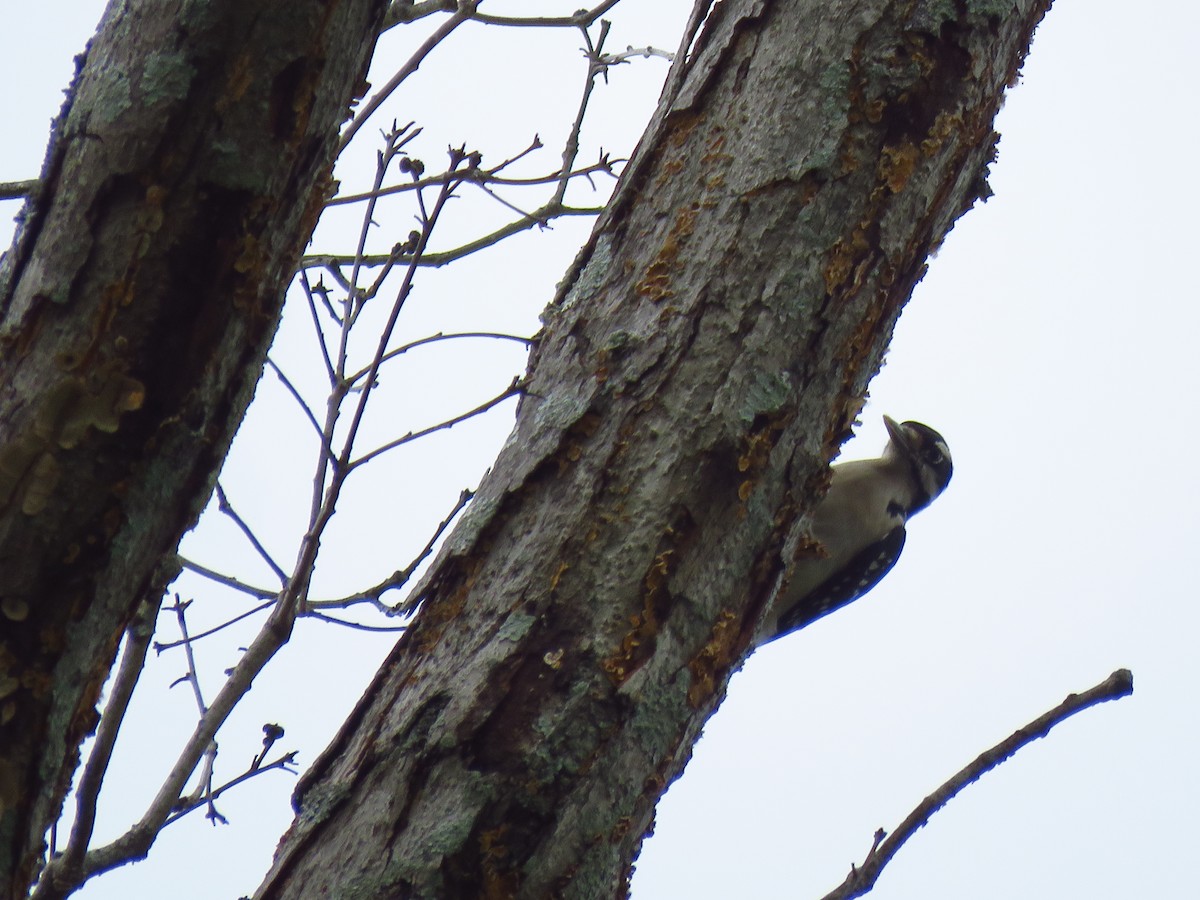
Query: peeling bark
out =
(702, 364)
(183, 178)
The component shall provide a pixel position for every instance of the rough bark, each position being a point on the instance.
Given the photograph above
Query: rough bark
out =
(700, 367)
(183, 178)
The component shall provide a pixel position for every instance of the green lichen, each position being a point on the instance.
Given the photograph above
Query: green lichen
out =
(166, 78)
(767, 393)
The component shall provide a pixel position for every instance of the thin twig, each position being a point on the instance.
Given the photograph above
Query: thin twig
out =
(395, 141)
(310, 293)
(511, 391)
(507, 205)
(356, 626)
(571, 145)
(613, 59)
(862, 878)
(288, 759)
(224, 506)
(161, 646)
(454, 178)
(581, 19)
(603, 166)
(308, 413)
(191, 677)
(538, 218)
(226, 580)
(63, 873)
(203, 791)
(329, 465)
(401, 12)
(401, 576)
(465, 9)
(16, 190)
(442, 336)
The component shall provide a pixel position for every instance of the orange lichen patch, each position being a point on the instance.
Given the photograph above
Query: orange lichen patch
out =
(571, 450)
(714, 658)
(843, 258)
(602, 369)
(684, 124)
(644, 626)
(656, 283)
(52, 640)
(715, 156)
(896, 165)
(861, 339)
(239, 77)
(808, 547)
(848, 159)
(620, 829)
(760, 442)
(39, 684)
(445, 601)
(499, 879)
(250, 255)
(557, 576)
(674, 167)
(945, 126)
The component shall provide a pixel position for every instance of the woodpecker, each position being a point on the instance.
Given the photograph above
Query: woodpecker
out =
(859, 525)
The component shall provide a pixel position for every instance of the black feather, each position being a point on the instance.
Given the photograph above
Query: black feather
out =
(866, 569)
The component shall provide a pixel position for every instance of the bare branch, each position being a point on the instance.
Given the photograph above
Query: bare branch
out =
(581, 19)
(603, 166)
(862, 878)
(308, 413)
(401, 576)
(571, 145)
(224, 506)
(63, 873)
(613, 59)
(16, 190)
(160, 646)
(539, 217)
(180, 610)
(511, 391)
(464, 11)
(284, 762)
(395, 140)
(356, 626)
(311, 293)
(203, 790)
(227, 580)
(401, 12)
(442, 336)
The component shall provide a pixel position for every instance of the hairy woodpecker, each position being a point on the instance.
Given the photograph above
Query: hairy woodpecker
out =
(859, 525)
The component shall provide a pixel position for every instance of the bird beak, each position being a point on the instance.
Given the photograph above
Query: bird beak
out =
(898, 434)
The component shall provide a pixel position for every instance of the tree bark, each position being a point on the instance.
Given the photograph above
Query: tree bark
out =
(183, 178)
(700, 367)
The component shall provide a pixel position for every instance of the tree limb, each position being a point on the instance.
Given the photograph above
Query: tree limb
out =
(862, 878)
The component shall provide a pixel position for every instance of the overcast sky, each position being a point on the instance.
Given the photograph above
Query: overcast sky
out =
(1053, 343)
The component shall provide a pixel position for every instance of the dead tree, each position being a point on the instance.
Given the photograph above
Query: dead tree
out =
(701, 365)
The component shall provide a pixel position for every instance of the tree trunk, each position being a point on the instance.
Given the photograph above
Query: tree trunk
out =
(701, 365)
(183, 178)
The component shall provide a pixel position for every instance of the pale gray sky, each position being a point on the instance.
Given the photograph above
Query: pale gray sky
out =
(1053, 343)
